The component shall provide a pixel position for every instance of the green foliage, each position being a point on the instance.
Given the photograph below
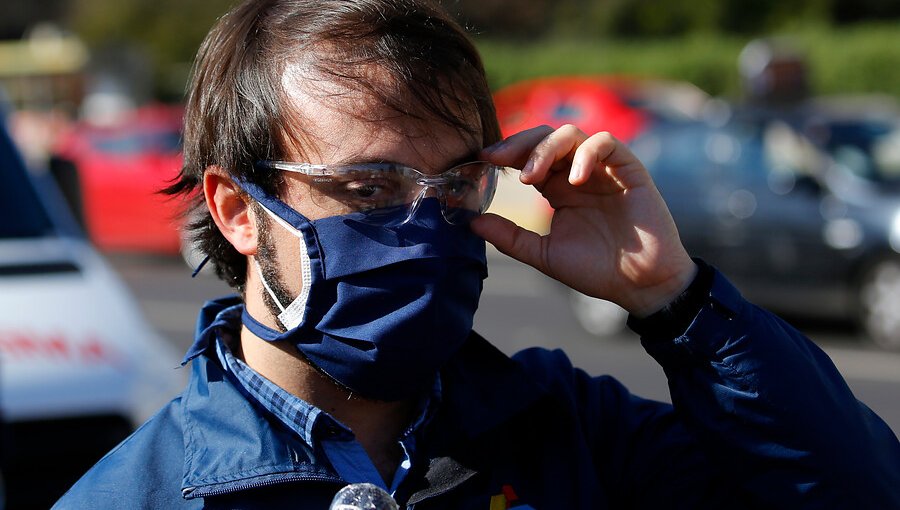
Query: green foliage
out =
(858, 59)
(168, 32)
(170, 29)
(646, 18)
(694, 40)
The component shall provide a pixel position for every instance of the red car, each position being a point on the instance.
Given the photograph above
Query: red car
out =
(591, 103)
(121, 167)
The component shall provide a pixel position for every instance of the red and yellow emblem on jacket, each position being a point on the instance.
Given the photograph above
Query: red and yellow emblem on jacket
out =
(507, 500)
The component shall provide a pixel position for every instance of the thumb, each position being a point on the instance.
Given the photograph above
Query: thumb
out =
(510, 239)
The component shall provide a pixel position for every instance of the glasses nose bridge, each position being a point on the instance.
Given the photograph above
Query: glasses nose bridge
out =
(430, 181)
(430, 188)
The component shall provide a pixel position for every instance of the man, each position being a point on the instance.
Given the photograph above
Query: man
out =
(342, 153)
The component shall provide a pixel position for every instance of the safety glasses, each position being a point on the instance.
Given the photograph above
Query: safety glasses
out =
(389, 194)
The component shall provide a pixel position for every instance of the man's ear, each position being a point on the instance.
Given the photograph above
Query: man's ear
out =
(230, 209)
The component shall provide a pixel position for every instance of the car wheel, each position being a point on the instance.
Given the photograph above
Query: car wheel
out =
(879, 297)
(597, 316)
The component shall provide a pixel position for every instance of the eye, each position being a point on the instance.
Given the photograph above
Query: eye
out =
(368, 192)
(364, 190)
(459, 186)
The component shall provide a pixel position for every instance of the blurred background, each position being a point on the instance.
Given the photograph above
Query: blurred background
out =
(772, 129)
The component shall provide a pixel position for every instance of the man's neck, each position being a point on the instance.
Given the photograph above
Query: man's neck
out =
(377, 425)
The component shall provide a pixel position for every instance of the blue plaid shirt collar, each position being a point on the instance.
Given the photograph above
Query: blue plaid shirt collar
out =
(308, 421)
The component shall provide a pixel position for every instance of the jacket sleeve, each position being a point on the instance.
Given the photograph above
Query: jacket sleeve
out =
(769, 408)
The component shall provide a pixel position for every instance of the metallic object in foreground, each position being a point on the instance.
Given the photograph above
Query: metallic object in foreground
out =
(363, 496)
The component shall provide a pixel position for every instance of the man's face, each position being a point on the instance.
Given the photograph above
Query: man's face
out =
(343, 126)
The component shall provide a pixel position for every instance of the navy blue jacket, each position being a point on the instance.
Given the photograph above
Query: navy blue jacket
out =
(761, 419)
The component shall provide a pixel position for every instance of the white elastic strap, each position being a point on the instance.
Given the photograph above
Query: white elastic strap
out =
(266, 285)
(292, 316)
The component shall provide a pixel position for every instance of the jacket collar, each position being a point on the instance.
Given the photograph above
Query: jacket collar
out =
(224, 312)
(230, 445)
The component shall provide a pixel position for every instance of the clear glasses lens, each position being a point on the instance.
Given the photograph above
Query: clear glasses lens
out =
(388, 194)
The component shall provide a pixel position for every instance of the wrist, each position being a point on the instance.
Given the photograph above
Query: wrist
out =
(673, 319)
(654, 299)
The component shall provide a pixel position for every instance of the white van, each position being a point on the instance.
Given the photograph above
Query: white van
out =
(79, 365)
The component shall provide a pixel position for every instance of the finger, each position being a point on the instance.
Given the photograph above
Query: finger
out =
(514, 150)
(591, 155)
(510, 239)
(603, 153)
(558, 146)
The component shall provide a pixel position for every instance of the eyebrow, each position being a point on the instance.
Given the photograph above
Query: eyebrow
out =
(470, 156)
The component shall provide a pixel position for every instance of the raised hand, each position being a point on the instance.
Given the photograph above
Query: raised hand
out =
(611, 235)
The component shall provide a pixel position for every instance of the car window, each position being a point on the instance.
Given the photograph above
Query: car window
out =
(676, 151)
(754, 158)
(867, 149)
(22, 212)
(696, 151)
(772, 154)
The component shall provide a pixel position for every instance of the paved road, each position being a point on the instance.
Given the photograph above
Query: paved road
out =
(522, 308)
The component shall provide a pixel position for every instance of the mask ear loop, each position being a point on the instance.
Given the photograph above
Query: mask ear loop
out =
(266, 285)
(292, 315)
(200, 266)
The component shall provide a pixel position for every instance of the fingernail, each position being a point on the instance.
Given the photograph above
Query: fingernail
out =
(574, 172)
(527, 169)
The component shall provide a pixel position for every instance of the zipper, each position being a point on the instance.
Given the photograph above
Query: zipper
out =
(193, 492)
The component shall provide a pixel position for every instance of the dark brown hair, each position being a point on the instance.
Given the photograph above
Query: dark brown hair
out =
(237, 114)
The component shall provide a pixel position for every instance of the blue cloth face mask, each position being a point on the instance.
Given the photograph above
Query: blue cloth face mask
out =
(381, 308)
